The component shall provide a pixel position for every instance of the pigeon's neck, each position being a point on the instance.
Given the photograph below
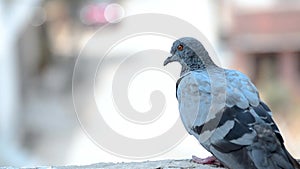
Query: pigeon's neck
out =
(195, 63)
(187, 68)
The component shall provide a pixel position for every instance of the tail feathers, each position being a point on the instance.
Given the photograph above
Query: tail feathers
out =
(295, 163)
(267, 160)
(267, 152)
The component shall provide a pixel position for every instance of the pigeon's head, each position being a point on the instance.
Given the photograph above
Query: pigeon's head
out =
(190, 53)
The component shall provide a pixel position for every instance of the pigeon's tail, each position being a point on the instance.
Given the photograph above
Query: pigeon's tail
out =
(268, 153)
(292, 160)
(275, 160)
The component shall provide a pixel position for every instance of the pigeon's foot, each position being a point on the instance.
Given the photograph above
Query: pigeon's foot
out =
(207, 160)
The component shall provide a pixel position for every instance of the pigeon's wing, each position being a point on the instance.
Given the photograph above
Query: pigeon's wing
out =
(250, 142)
(244, 106)
(240, 91)
(243, 134)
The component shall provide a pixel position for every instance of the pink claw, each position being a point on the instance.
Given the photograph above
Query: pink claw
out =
(208, 160)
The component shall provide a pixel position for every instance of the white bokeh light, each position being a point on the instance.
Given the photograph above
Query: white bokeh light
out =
(113, 13)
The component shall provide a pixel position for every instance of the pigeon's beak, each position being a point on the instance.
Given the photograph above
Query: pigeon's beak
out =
(170, 59)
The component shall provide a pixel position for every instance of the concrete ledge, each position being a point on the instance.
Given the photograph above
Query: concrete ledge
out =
(163, 164)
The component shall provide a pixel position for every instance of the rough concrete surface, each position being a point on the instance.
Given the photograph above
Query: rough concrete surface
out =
(163, 164)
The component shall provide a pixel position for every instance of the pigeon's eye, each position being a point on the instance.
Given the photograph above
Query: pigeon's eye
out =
(180, 47)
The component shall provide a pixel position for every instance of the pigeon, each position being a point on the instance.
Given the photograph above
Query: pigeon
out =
(222, 109)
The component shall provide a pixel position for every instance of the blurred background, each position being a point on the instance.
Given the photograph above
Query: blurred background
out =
(41, 39)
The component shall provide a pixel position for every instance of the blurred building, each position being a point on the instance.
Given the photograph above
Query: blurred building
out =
(270, 34)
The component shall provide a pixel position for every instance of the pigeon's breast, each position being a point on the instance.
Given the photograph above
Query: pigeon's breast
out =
(194, 98)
